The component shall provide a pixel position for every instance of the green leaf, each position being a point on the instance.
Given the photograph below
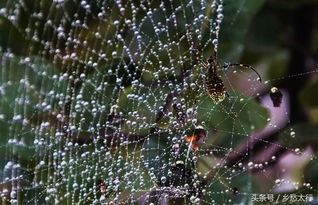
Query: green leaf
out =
(225, 182)
(237, 18)
(308, 95)
(238, 116)
(295, 4)
(33, 195)
(311, 174)
(10, 37)
(300, 135)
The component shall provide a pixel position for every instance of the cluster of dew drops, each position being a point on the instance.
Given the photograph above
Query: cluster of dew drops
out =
(72, 158)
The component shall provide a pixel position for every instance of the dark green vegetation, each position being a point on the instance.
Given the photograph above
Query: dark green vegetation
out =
(93, 95)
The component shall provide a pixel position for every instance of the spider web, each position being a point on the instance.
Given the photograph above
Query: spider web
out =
(98, 97)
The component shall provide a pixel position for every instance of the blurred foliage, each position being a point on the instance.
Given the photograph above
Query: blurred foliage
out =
(300, 135)
(238, 192)
(237, 19)
(307, 96)
(252, 29)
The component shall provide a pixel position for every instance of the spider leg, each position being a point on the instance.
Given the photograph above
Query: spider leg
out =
(242, 66)
(228, 96)
(215, 53)
(204, 63)
(197, 58)
(195, 52)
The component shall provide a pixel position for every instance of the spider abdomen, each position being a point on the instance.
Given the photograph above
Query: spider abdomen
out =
(215, 88)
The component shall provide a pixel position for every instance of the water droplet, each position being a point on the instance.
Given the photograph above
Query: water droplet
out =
(163, 179)
(293, 134)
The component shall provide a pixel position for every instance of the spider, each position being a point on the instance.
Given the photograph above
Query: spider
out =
(213, 82)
